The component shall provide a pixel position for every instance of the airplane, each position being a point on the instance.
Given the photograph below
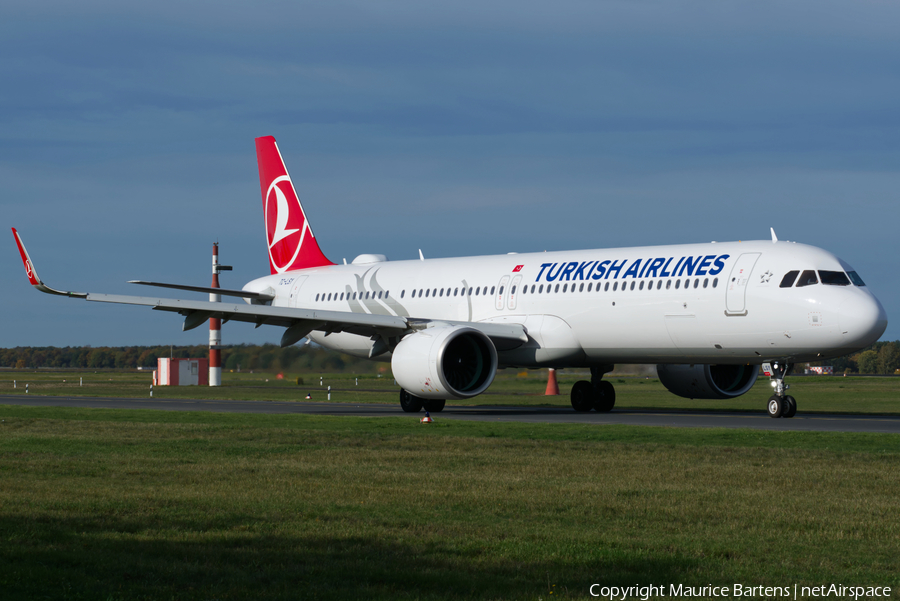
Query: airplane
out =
(709, 315)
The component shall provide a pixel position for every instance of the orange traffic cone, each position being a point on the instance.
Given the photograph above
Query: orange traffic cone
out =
(552, 386)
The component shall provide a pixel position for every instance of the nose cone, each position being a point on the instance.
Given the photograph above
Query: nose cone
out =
(862, 320)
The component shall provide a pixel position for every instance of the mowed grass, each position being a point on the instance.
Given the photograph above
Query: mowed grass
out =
(114, 504)
(829, 394)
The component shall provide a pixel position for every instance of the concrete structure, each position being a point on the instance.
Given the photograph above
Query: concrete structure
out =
(181, 372)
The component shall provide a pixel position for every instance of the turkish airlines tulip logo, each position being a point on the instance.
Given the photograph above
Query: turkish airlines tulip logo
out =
(286, 224)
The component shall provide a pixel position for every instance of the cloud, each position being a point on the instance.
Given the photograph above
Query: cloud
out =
(126, 134)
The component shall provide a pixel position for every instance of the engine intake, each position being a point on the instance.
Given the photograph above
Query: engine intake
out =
(698, 381)
(449, 362)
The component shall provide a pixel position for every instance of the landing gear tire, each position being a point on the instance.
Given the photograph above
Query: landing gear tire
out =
(410, 403)
(790, 407)
(582, 396)
(604, 397)
(776, 406)
(434, 405)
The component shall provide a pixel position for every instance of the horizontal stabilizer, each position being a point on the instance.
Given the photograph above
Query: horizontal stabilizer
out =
(222, 291)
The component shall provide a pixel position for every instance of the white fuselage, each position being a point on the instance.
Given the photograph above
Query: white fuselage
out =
(716, 303)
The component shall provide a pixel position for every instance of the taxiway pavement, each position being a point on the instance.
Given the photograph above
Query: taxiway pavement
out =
(809, 422)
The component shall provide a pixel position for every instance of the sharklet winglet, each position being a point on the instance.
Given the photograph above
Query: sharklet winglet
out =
(33, 276)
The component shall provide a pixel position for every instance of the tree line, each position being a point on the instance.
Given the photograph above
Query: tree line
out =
(880, 358)
(240, 357)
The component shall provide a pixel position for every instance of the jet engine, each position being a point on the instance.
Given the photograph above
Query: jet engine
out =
(699, 381)
(445, 362)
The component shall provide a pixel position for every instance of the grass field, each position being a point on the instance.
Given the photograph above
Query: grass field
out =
(116, 504)
(814, 393)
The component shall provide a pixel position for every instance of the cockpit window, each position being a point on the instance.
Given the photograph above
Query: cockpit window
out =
(854, 277)
(834, 278)
(788, 280)
(807, 278)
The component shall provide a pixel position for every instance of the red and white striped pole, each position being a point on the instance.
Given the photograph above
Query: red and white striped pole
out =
(215, 327)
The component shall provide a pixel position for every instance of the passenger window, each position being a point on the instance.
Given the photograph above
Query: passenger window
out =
(387, 294)
(501, 289)
(426, 293)
(606, 288)
(615, 286)
(788, 280)
(532, 288)
(854, 277)
(380, 293)
(441, 292)
(697, 283)
(317, 298)
(492, 289)
(715, 282)
(668, 284)
(541, 289)
(556, 289)
(420, 293)
(807, 278)
(641, 287)
(632, 285)
(834, 278)
(659, 284)
(589, 287)
(470, 292)
(511, 290)
(434, 292)
(677, 284)
(565, 286)
(705, 282)
(342, 296)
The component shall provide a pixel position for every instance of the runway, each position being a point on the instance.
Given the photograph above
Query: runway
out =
(811, 422)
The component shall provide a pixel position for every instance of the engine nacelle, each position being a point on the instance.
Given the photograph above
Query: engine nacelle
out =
(449, 362)
(700, 381)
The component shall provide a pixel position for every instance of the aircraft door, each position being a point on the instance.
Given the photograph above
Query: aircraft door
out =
(513, 292)
(735, 295)
(295, 290)
(500, 293)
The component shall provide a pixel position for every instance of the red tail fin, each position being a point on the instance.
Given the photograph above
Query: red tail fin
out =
(292, 244)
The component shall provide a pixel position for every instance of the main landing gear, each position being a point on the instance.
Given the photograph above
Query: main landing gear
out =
(597, 394)
(780, 404)
(413, 404)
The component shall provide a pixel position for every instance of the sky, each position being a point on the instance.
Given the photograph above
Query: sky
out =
(464, 128)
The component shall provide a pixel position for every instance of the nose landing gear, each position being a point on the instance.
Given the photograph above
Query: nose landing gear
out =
(780, 404)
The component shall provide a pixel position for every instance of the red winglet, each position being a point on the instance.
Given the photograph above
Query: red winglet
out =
(29, 266)
(291, 242)
(34, 278)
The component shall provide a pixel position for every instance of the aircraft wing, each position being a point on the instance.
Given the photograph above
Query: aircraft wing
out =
(299, 322)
